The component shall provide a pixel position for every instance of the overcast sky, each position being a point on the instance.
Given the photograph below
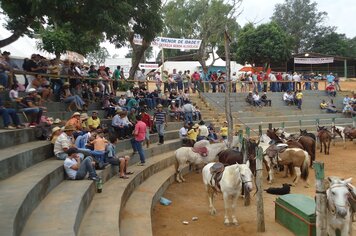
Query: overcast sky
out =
(340, 14)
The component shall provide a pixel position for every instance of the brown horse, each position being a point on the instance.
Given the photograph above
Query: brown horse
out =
(298, 162)
(308, 144)
(271, 133)
(325, 137)
(350, 132)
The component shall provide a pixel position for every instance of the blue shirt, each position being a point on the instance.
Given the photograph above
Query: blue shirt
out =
(330, 78)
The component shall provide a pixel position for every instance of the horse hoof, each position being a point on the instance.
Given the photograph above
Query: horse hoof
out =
(226, 222)
(294, 185)
(306, 186)
(212, 212)
(235, 222)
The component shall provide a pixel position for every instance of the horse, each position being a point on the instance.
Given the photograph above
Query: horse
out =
(284, 135)
(339, 211)
(272, 134)
(230, 185)
(309, 145)
(350, 132)
(186, 155)
(338, 130)
(298, 161)
(306, 133)
(324, 136)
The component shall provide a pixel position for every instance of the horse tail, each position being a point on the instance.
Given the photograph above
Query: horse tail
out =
(305, 167)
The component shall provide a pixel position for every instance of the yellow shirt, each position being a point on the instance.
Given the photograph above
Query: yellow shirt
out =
(299, 96)
(94, 123)
(192, 134)
(223, 131)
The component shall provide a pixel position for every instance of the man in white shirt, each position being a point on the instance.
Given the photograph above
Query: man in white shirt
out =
(77, 169)
(183, 132)
(188, 112)
(64, 141)
(233, 82)
(203, 131)
(122, 101)
(256, 99)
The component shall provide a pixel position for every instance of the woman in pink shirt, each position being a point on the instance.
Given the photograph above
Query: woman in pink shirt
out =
(139, 136)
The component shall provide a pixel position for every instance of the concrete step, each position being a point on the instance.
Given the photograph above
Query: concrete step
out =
(118, 191)
(136, 216)
(62, 210)
(21, 193)
(60, 106)
(17, 158)
(9, 138)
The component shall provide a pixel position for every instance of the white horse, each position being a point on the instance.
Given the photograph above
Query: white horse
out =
(339, 130)
(339, 212)
(185, 155)
(231, 186)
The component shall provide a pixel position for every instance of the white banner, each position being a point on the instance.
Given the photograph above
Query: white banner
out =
(321, 60)
(147, 66)
(171, 43)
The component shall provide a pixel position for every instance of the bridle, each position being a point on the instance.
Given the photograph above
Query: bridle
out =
(332, 208)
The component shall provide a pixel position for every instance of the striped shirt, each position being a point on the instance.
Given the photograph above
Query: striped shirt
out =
(160, 117)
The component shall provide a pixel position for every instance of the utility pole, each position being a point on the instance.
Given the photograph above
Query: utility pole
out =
(321, 221)
(228, 88)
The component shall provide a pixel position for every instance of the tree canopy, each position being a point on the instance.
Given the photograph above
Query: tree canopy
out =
(267, 43)
(200, 19)
(90, 20)
(302, 21)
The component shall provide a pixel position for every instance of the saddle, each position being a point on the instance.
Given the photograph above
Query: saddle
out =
(216, 171)
(274, 149)
(203, 151)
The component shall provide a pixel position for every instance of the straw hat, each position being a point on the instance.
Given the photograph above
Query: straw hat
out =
(55, 129)
(69, 128)
(76, 114)
(84, 116)
(159, 106)
(31, 90)
(57, 121)
(66, 84)
(195, 126)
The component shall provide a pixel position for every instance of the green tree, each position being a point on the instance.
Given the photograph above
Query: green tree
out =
(332, 44)
(201, 19)
(267, 43)
(96, 18)
(302, 21)
(98, 56)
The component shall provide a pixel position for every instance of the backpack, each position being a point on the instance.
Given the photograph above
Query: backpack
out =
(43, 131)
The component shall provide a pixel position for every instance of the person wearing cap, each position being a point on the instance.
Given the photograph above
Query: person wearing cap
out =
(75, 121)
(77, 169)
(84, 121)
(265, 100)
(193, 133)
(64, 141)
(8, 114)
(203, 131)
(56, 131)
(94, 121)
(28, 104)
(160, 121)
(249, 98)
(139, 136)
(147, 119)
(68, 98)
(224, 131)
(42, 87)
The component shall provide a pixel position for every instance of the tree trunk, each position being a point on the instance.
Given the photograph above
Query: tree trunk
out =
(58, 55)
(228, 113)
(15, 36)
(201, 56)
(138, 51)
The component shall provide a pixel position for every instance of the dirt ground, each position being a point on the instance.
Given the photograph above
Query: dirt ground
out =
(190, 199)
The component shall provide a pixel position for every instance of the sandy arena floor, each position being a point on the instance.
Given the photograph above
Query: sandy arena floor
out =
(190, 199)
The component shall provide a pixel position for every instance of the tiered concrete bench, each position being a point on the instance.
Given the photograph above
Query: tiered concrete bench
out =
(63, 208)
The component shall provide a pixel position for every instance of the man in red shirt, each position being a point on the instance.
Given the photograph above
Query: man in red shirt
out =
(196, 80)
(146, 118)
(139, 136)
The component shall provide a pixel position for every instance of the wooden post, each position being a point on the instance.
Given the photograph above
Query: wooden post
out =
(240, 139)
(248, 132)
(244, 149)
(317, 122)
(228, 113)
(260, 130)
(270, 126)
(321, 221)
(354, 121)
(283, 125)
(333, 121)
(259, 181)
(300, 124)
